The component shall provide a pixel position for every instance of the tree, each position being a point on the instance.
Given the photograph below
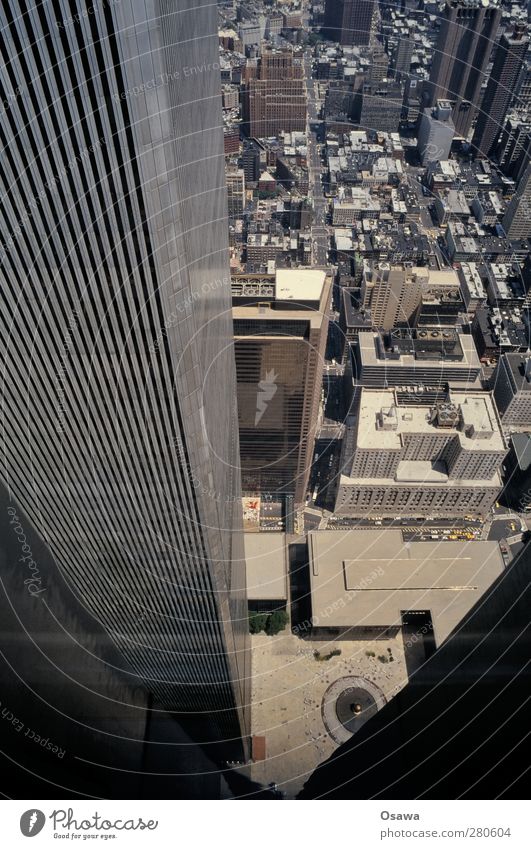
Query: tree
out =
(257, 622)
(276, 622)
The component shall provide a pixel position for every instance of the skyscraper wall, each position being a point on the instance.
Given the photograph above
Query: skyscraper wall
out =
(508, 61)
(349, 21)
(120, 438)
(517, 219)
(466, 39)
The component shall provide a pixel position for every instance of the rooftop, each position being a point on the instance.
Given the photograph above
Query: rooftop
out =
(303, 284)
(383, 423)
(265, 557)
(409, 348)
(368, 578)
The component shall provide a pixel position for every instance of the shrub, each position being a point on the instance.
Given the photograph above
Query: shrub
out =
(257, 622)
(276, 622)
(334, 653)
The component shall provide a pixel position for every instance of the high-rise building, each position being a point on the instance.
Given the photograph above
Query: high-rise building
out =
(464, 44)
(436, 132)
(119, 392)
(403, 54)
(274, 94)
(517, 219)
(508, 62)
(381, 106)
(522, 94)
(349, 21)
(511, 383)
(235, 190)
(281, 325)
(392, 294)
(379, 68)
(514, 148)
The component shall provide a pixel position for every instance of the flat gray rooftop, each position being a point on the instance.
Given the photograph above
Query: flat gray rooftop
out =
(368, 578)
(265, 555)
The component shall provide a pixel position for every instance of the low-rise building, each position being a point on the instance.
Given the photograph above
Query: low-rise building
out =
(372, 584)
(402, 459)
(416, 357)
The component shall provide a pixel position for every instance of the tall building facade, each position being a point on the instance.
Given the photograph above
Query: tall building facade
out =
(274, 95)
(119, 391)
(393, 294)
(381, 106)
(436, 132)
(349, 21)
(280, 325)
(517, 219)
(466, 37)
(505, 73)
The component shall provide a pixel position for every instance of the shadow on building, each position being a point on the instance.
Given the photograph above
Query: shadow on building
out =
(74, 722)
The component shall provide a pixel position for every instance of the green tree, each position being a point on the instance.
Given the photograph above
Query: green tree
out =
(257, 622)
(277, 622)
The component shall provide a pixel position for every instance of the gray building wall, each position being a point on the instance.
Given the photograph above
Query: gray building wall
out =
(386, 499)
(120, 437)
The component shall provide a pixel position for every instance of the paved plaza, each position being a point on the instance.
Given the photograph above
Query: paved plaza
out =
(287, 692)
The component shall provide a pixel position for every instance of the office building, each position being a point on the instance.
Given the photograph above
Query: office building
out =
(274, 95)
(517, 220)
(508, 61)
(511, 384)
(235, 190)
(381, 106)
(514, 148)
(436, 132)
(472, 287)
(464, 44)
(349, 22)
(405, 459)
(416, 357)
(280, 325)
(403, 55)
(117, 330)
(391, 293)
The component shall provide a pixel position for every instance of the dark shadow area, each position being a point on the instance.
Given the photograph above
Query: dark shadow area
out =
(299, 577)
(459, 728)
(75, 722)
